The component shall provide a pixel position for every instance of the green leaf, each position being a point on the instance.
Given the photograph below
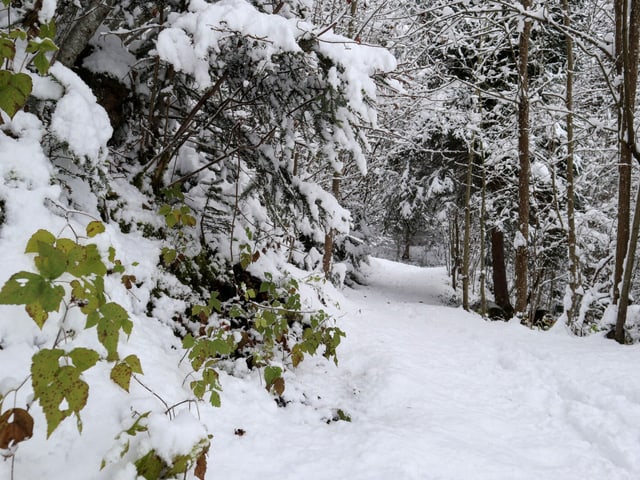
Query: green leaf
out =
(297, 356)
(189, 220)
(92, 319)
(171, 219)
(214, 398)
(94, 228)
(202, 311)
(41, 45)
(137, 426)
(33, 291)
(52, 261)
(214, 303)
(41, 63)
(188, 341)
(165, 210)
(41, 236)
(90, 295)
(76, 391)
(198, 388)
(121, 375)
(83, 358)
(245, 260)
(15, 88)
(134, 362)
(48, 30)
(85, 260)
(150, 466)
(18, 34)
(271, 373)
(22, 288)
(220, 347)
(108, 336)
(113, 319)
(37, 313)
(181, 464)
(53, 383)
(44, 366)
(169, 255)
(7, 48)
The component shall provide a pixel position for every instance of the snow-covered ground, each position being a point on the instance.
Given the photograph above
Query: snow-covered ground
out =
(436, 393)
(432, 392)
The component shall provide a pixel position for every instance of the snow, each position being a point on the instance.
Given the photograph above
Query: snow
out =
(47, 11)
(109, 55)
(433, 392)
(519, 240)
(437, 393)
(78, 120)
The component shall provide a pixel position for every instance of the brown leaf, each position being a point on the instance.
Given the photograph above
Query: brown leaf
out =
(128, 281)
(278, 385)
(201, 465)
(16, 425)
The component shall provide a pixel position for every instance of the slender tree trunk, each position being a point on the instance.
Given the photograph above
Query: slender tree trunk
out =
(466, 245)
(406, 253)
(628, 274)
(455, 251)
(521, 262)
(327, 257)
(574, 262)
(624, 163)
(483, 246)
(625, 253)
(500, 286)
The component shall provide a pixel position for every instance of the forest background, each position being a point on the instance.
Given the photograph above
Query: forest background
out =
(245, 140)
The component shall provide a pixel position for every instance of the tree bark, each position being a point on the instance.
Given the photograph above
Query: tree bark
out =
(466, 245)
(327, 257)
(500, 286)
(84, 27)
(455, 251)
(628, 39)
(521, 262)
(483, 241)
(624, 162)
(574, 262)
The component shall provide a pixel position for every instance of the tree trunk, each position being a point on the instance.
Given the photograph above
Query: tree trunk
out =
(624, 162)
(327, 257)
(73, 42)
(628, 38)
(455, 251)
(466, 245)
(521, 262)
(574, 262)
(406, 253)
(500, 286)
(483, 241)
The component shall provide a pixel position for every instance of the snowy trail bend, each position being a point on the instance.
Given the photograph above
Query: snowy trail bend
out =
(435, 393)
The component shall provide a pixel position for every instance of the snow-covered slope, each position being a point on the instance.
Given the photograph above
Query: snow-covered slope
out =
(432, 393)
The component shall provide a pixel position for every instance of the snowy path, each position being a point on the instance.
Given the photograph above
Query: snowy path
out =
(435, 393)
